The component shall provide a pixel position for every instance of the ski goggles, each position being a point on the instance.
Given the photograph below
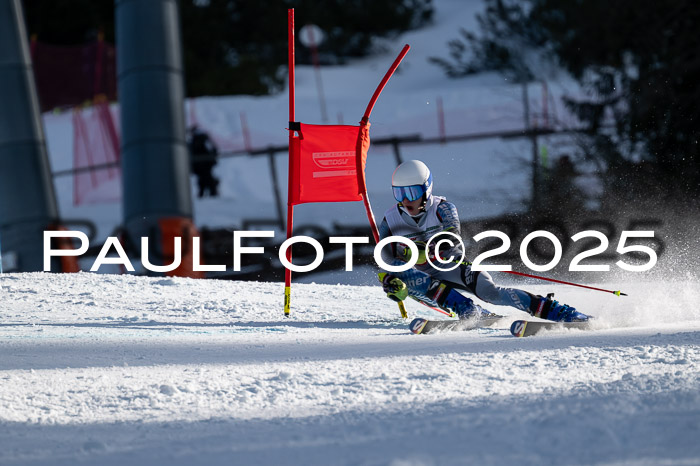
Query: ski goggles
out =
(408, 192)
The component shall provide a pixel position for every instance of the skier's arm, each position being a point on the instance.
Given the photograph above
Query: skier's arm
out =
(447, 213)
(391, 283)
(389, 251)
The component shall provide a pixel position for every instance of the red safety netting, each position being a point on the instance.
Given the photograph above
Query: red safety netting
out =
(67, 76)
(95, 156)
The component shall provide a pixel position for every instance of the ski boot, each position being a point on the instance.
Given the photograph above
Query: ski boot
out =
(548, 308)
(451, 300)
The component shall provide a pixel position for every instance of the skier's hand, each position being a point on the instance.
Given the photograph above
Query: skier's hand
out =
(394, 288)
(422, 255)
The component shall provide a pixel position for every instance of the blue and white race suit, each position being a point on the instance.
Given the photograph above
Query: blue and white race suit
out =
(439, 215)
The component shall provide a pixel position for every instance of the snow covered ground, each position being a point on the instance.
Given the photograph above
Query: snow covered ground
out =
(113, 370)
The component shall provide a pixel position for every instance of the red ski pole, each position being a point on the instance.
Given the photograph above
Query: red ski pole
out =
(617, 293)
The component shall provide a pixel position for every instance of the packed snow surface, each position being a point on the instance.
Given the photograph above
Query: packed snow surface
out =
(107, 369)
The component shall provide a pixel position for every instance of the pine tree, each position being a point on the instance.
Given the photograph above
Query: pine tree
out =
(240, 46)
(639, 63)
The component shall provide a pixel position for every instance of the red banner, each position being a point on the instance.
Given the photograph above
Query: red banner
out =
(324, 163)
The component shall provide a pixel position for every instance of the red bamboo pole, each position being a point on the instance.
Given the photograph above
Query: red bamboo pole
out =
(360, 168)
(365, 121)
(388, 75)
(292, 117)
(617, 293)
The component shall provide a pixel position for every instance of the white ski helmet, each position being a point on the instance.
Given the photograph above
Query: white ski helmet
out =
(411, 180)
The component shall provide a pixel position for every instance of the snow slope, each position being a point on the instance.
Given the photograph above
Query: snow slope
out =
(106, 369)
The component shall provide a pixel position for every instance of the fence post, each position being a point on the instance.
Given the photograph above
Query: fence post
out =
(397, 153)
(532, 133)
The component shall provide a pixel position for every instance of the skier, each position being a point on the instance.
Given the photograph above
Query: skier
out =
(418, 216)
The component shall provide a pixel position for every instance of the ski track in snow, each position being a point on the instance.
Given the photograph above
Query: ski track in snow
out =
(106, 369)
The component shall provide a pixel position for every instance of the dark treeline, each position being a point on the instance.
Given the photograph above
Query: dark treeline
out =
(240, 46)
(639, 63)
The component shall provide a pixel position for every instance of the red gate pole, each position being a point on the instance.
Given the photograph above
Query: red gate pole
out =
(388, 75)
(290, 206)
(360, 165)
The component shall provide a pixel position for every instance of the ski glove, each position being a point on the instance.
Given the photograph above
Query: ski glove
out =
(425, 253)
(422, 256)
(394, 288)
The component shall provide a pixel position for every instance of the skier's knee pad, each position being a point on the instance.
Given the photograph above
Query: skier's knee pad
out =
(445, 295)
